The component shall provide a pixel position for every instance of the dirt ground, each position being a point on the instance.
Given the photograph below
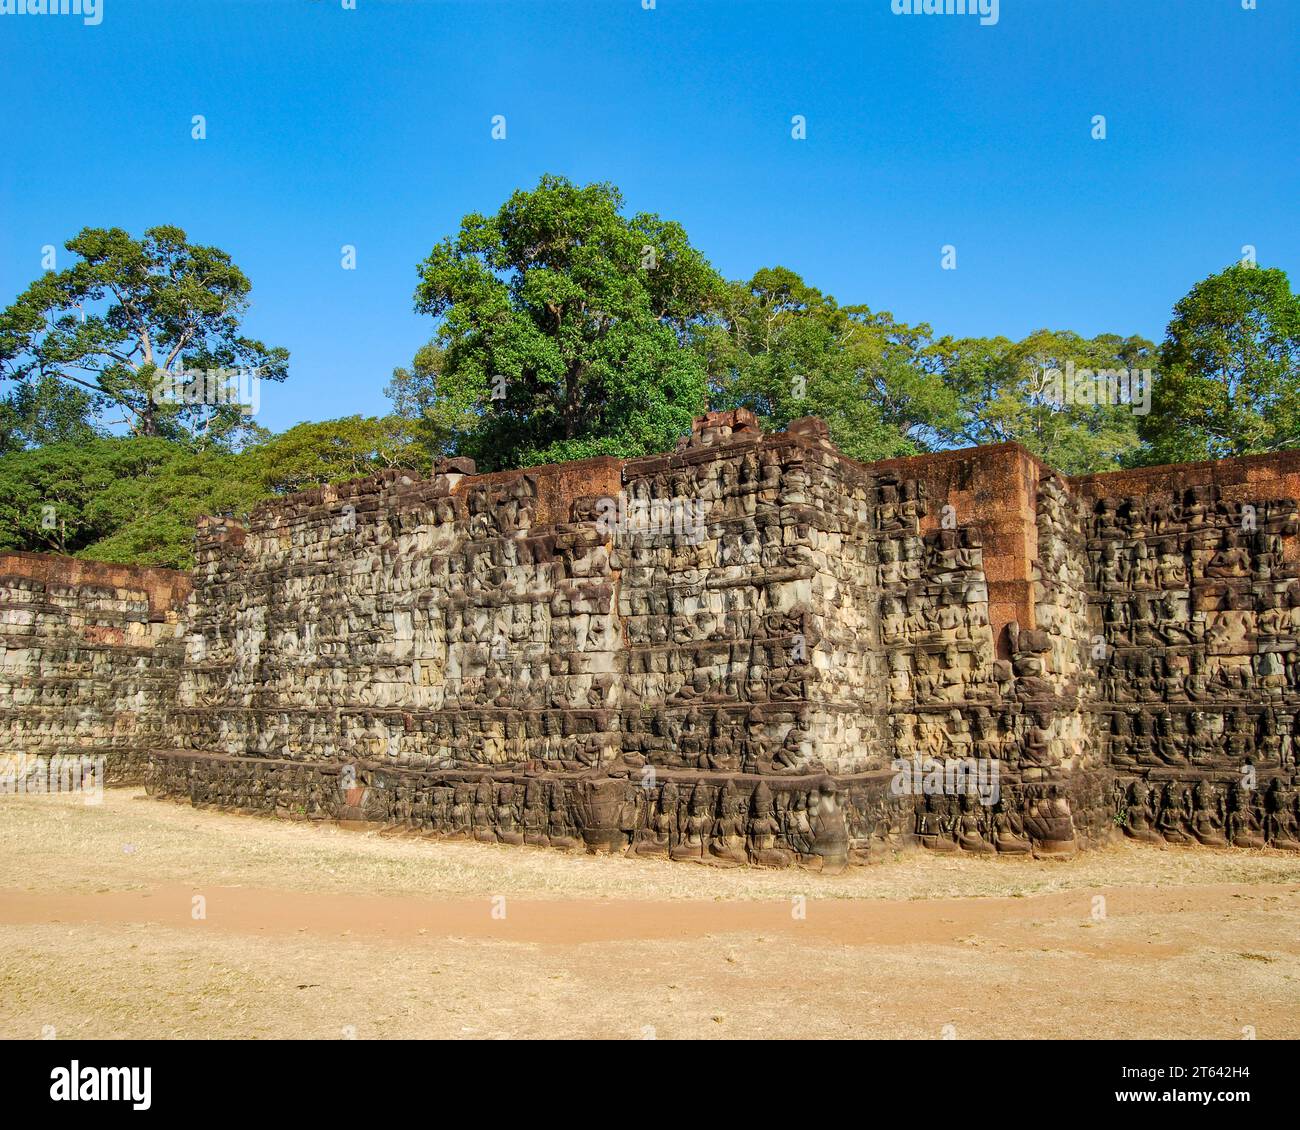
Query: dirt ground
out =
(138, 918)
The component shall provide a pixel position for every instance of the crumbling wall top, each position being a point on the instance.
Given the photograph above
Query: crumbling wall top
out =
(165, 589)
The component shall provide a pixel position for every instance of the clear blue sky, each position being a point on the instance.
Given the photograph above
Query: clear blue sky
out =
(372, 127)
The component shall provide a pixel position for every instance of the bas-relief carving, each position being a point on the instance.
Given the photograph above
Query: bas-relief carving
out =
(735, 691)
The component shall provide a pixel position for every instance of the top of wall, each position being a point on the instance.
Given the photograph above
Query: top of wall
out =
(1274, 475)
(984, 478)
(554, 486)
(980, 482)
(165, 589)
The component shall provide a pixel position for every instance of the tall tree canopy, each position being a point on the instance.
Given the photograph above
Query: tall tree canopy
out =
(102, 340)
(1231, 370)
(561, 329)
(785, 350)
(565, 328)
(1008, 391)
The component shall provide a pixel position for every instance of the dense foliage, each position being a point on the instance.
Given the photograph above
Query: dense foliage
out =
(564, 329)
(142, 333)
(135, 499)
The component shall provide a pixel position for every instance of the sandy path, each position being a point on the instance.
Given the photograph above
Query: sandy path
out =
(566, 923)
(98, 937)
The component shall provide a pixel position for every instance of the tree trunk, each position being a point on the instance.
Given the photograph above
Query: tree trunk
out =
(572, 408)
(148, 421)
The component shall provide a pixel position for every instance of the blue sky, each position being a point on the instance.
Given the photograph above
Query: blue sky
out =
(371, 127)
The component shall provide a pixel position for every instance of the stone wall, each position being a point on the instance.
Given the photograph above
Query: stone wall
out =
(734, 652)
(1194, 612)
(524, 652)
(728, 669)
(89, 659)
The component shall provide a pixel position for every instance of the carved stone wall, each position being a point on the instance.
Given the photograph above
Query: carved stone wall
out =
(717, 653)
(89, 658)
(702, 656)
(1194, 610)
(735, 652)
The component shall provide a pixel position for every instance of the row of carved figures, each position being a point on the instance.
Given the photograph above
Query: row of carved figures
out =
(1172, 563)
(819, 826)
(1182, 812)
(1176, 512)
(1146, 675)
(1010, 823)
(1268, 737)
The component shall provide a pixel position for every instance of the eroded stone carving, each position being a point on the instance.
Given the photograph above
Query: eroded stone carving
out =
(732, 671)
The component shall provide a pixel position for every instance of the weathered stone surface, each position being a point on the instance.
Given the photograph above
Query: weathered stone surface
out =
(1192, 586)
(722, 654)
(90, 656)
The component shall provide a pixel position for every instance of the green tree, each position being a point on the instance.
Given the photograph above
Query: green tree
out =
(150, 519)
(69, 497)
(562, 324)
(45, 410)
(131, 321)
(309, 455)
(1010, 391)
(438, 421)
(785, 350)
(1230, 383)
(136, 499)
